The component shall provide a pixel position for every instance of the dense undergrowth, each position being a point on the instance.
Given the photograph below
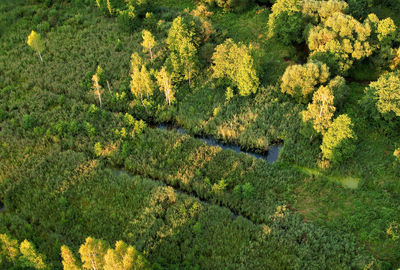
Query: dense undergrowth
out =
(61, 154)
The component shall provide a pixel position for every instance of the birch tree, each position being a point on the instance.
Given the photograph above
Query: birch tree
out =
(148, 43)
(165, 85)
(97, 88)
(36, 43)
(320, 111)
(92, 253)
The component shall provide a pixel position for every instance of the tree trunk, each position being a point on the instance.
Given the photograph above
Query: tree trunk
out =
(108, 86)
(98, 93)
(310, 140)
(41, 59)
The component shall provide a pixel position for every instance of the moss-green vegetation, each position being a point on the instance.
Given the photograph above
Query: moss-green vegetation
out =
(80, 157)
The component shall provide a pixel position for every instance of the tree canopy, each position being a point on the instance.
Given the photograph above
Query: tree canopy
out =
(300, 81)
(235, 62)
(338, 143)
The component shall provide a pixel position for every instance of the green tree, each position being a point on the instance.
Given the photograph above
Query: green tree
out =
(338, 143)
(286, 21)
(182, 43)
(320, 111)
(300, 81)
(164, 81)
(69, 261)
(92, 253)
(148, 43)
(235, 62)
(36, 43)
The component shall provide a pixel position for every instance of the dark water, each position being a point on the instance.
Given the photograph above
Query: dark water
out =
(2, 207)
(271, 156)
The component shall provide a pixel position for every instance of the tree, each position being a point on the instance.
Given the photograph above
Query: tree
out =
(141, 83)
(69, 261)
(9, 250)
(235, 62)
(97, 255)
(182, 43)
(386, 93)
(36, 43)
(320, 111)
(286, 21)
(342, 39)
(339, 90)
(97, 87)
(29, 257)
(300, 81)
(124, 257)
(148, 43)
(165, 84)
(319, 11)
(110, 8)
(338, 141)
(92, 253)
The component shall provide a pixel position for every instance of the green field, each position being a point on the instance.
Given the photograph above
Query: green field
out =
(70, 169)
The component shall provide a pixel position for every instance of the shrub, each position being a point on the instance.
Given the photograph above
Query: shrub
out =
(28, 122)
(127, 20)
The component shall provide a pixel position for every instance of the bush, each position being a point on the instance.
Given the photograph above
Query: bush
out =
(28, 122)
(128, 21)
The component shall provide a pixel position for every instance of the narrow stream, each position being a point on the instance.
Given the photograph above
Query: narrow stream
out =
(271, 156)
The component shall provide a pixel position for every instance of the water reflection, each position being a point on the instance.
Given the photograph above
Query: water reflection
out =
(271, 156)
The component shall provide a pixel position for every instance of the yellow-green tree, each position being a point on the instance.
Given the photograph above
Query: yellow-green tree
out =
(385, 92)
(182, 44)
(9, 249)
(141, 83)
(69, 261)
(124, 257)
(148, 43)
(29, 257)
(92, 253)
(320, 111)
(300, 81)
(164, 81)
(319, 11)
(97, 255)
(338, 143)
(36, 43)
(236, 63)
(20, 256)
